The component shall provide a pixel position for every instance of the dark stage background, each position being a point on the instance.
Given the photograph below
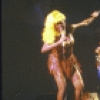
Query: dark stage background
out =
(24, 71)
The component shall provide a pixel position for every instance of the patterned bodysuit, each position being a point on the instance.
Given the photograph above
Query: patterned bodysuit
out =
(63, 59)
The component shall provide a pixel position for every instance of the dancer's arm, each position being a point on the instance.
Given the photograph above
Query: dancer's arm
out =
(46, 47)
(87, 21)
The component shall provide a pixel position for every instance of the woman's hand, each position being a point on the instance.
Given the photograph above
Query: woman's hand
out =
(65, 40)
(95, 14)
(62, 39)
(97, 50)
(46, 47)
(89, 20)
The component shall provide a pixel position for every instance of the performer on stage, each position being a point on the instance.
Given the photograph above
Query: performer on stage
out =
(62, 63)
(97, 51)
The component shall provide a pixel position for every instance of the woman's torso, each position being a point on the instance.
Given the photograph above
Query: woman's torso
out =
(59, 57)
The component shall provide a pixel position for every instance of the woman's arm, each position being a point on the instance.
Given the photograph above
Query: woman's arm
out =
(87, 21)
(46, 47)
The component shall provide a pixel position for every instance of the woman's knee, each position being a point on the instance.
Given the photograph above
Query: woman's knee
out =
(62, 86)
(77, 80)
(78, 84)
(60, 81)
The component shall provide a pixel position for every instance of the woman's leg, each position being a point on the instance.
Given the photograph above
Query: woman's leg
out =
(61, 84)
(78, 85)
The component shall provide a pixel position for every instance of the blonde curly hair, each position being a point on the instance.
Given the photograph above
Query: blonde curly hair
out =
(49, 33)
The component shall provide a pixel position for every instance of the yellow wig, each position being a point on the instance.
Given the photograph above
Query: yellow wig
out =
(49, 32)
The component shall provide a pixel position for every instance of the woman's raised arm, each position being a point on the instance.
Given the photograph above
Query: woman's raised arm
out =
(87, 21)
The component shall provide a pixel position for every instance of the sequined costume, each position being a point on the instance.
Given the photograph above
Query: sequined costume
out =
(61, 59)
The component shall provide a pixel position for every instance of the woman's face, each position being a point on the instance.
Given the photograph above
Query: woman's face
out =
(60, 26)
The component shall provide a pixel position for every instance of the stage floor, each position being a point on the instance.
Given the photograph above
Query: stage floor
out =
(85, 96)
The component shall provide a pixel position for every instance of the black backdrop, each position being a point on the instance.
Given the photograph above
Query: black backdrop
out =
(24, 70)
